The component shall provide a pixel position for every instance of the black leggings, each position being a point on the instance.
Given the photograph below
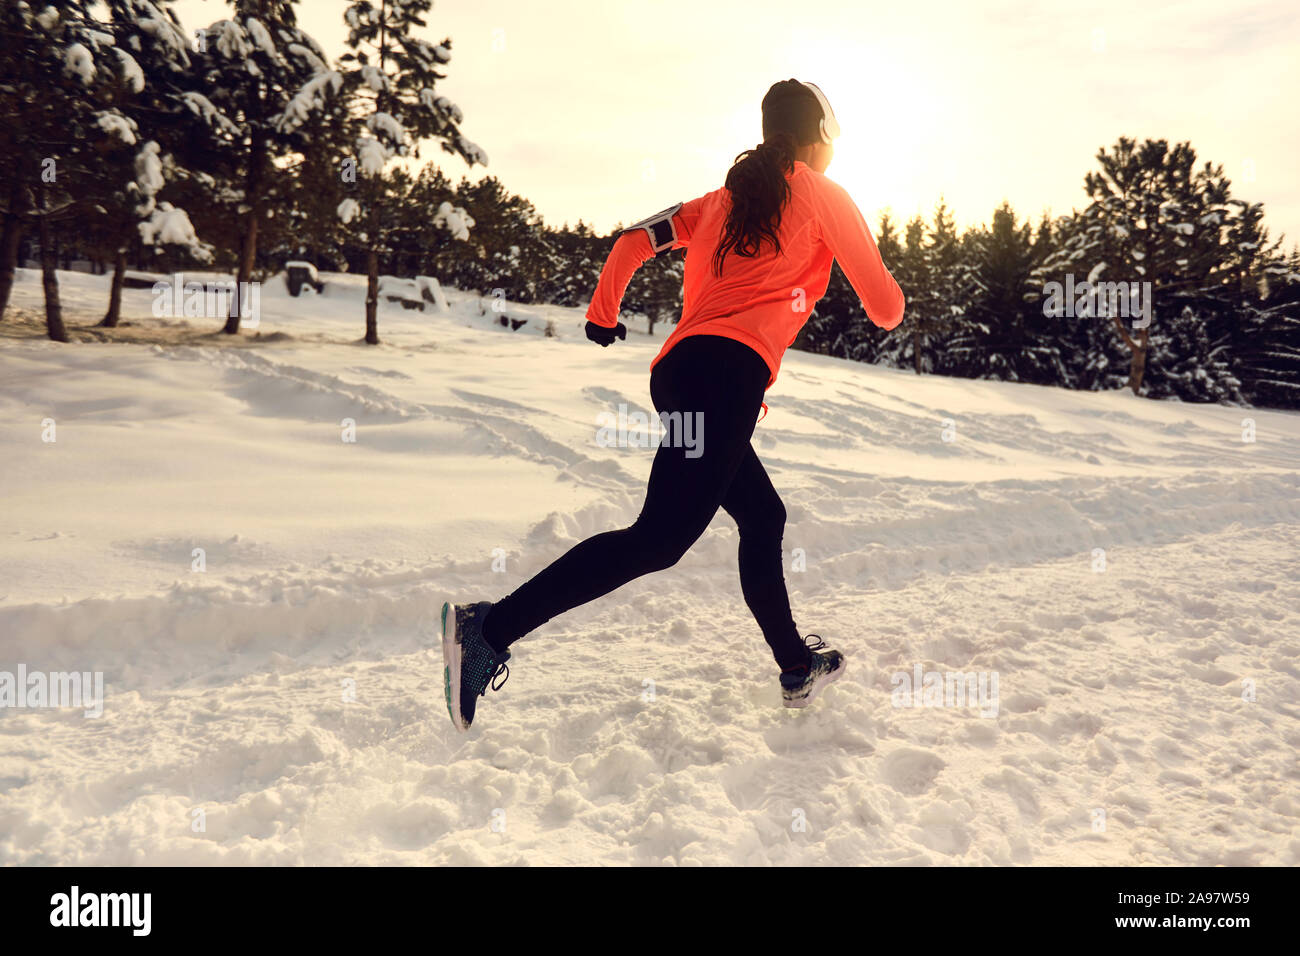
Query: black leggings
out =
(724, 380)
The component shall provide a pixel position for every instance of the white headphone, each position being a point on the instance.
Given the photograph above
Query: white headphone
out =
(829, 126)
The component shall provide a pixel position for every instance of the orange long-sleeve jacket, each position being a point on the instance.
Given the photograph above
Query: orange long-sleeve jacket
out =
(763, 300)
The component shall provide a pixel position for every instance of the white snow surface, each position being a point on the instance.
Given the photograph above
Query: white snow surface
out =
(646, 727)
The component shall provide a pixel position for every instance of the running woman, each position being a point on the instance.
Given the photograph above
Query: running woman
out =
(758, 257)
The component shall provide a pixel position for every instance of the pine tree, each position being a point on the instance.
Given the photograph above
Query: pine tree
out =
(1270, 363)
(1152, 219)
(386, 89)
(1265, 332)
(1000, 337)
(149, 111)
(310, 228)
(1092, 353)
(253, 66)
(575, 265)
(655, 290)
(937, 281)
(866, 337)
(75, 152)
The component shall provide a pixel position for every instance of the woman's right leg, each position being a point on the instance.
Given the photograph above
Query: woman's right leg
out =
(722, 380)
(760, 518)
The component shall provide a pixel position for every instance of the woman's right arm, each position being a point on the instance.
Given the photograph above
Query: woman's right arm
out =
(632, 249)
(846, 234)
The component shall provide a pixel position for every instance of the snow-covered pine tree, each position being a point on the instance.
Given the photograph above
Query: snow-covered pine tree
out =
(1001, 337)
(1185, 363)
(935, 275)
(1256, 289)
(513, 251)
(26, 57)
(310, 228)
(386, 87)
(153, 56)
(426, 243)
(655, 290)
(831, 328)
(1044, 238)
(1155, 217)
(74, 151)
(509, 247)
(254, 67)
(1092, 353)
(863, 337)
(575, 265)
(838, 325)
(30, 55)
(1069, 341)
(1270, 364)
(947, 303)
(407, 226)
(867, 336)
(913, 271)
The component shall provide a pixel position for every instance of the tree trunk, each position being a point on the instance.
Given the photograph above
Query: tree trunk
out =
(50, 281)
(372, 298)
(9, 242)
(115, 291)
(1138, 365)
(916, 348)
(1138, 354)
(246, 258)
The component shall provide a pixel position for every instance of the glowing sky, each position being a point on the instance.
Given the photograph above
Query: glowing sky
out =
(609, 110)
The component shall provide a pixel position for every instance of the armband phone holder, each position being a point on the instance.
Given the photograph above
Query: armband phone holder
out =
(660, 229)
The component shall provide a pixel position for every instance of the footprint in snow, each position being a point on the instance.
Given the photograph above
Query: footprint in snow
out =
(911, 772)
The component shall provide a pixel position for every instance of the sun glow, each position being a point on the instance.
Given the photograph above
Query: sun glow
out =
(889, 119)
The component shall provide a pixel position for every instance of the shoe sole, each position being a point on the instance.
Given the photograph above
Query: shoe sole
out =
(451, 665)
(830, 678)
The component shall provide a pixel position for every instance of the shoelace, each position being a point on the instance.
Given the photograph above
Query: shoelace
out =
(503, 667)
(812, 647)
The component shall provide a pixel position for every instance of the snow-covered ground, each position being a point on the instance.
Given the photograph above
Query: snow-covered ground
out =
(284, 705)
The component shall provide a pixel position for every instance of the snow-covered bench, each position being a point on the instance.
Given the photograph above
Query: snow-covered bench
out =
(132, 279)
(298, 273)
(518, 317)
(403, 291)
(431, 291)
(414, 293)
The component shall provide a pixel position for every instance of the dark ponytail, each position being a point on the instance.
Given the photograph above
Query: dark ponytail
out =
(759, 191)
(756, 180)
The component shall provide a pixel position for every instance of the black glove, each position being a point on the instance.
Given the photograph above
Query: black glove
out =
(604, 335)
